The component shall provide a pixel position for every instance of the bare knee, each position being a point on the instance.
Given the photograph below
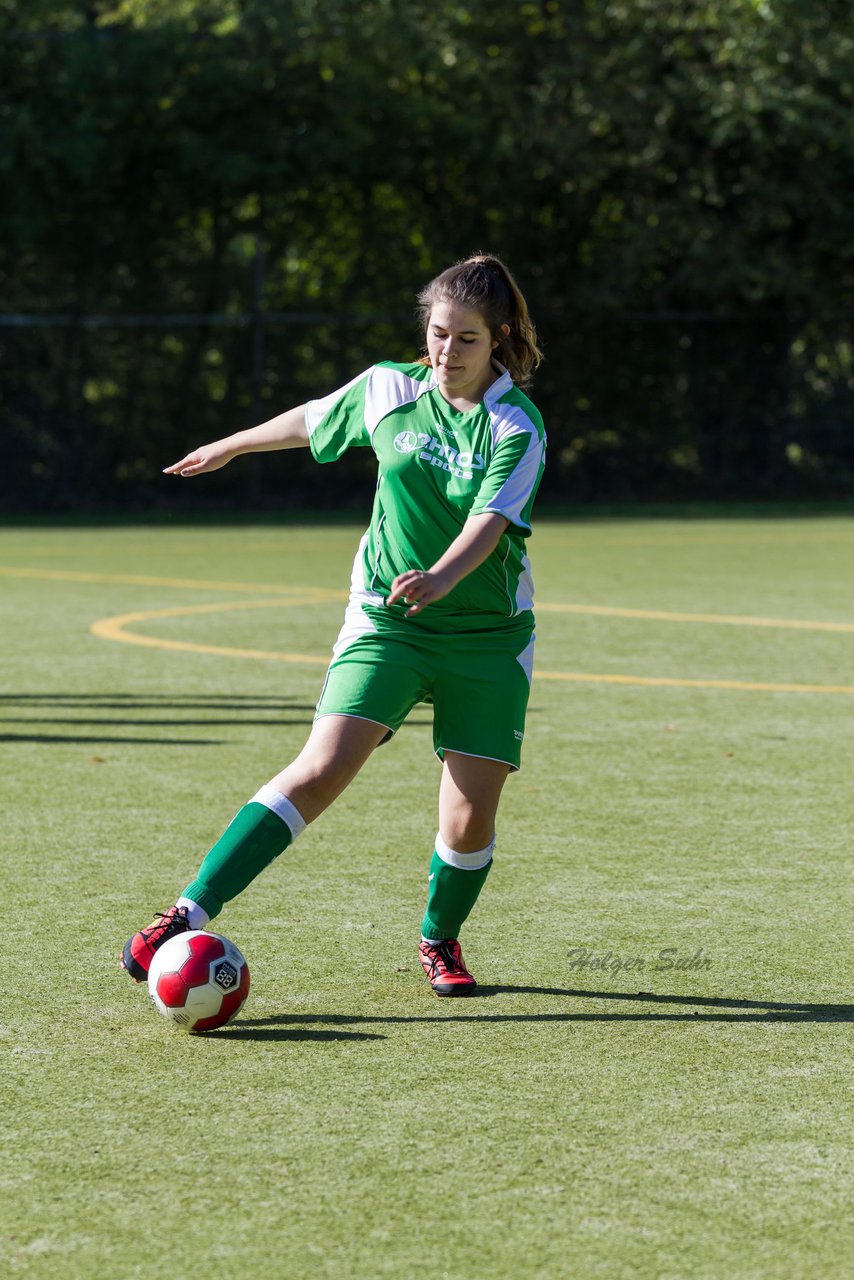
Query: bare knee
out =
(313, 784)
(337, 748)
(468, 801)
(321, 785)
(467, 832)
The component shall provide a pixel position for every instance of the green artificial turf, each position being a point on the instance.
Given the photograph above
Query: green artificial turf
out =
(653, 1079)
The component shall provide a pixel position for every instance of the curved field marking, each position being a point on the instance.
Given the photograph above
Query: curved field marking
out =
(327, 593)
(115, 628)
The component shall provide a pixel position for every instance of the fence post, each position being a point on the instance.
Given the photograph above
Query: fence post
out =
(256, 361)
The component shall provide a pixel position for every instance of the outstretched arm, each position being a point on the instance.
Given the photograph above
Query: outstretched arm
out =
(287, 431)
(479, 538)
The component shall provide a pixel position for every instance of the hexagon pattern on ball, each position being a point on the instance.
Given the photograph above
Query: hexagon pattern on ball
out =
(198, 980)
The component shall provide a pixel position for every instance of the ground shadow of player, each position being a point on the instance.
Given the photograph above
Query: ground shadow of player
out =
(268, 1029)
(88, 710)
(701, 1009)
(743, 1010)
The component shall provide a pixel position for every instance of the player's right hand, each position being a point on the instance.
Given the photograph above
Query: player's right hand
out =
(208, 457)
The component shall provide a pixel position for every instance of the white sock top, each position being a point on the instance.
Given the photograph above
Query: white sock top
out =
(196, 915)
(465, 861)
(273, 799)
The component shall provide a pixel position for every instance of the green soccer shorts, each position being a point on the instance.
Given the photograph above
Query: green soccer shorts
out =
(478, 683)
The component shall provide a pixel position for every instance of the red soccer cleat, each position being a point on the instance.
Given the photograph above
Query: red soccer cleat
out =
(139, 950)
(445, 969)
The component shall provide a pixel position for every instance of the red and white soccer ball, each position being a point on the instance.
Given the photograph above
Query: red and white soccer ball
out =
(198, 980)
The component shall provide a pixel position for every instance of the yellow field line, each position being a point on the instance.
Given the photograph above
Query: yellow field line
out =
(730, 620)
(321, 594)
(185, 610)
(115, 628)
(804, 538)
(674, 683)
(147, 580)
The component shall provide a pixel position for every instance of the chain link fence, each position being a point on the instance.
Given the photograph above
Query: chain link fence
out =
(643, 407)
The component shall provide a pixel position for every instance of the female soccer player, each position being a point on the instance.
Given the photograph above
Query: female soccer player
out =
(440, 605)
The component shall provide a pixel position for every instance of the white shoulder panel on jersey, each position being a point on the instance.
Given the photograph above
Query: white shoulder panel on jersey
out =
(499, 388)
(389, 389)
(506, 421)
(316, 410)
(512, 497)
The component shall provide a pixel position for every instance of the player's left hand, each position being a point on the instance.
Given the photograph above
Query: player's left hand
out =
(418, 588)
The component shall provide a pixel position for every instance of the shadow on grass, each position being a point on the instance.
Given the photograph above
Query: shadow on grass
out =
(173, 714)
(751, 1010)
(260, 1030)
(703, 1009)
(238, 702)
(100, 738)
(280, 713)
(270, 722)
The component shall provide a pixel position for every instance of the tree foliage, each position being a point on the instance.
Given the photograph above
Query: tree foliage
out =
(671, 183)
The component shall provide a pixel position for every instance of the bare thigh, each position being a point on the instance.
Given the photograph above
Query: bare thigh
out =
(468, 800)
(336, 749)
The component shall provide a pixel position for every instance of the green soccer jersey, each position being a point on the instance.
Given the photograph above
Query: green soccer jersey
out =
(437, 467)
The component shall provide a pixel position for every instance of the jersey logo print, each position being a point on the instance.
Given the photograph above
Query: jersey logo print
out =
(408, 441)
(461, 464)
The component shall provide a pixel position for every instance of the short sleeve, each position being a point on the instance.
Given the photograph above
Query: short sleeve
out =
(337, 422)
(514, 471)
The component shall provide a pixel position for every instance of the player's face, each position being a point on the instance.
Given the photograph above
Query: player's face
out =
(460, 347)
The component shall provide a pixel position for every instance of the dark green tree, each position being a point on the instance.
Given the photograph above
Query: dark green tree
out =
(670, 182)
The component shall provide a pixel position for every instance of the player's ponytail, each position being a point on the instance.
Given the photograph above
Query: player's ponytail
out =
(483, 283)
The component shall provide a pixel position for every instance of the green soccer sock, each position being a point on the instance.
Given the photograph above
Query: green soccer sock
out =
(257, 834)
(456, 880)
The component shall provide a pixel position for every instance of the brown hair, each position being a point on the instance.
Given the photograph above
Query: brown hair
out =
(483, 283)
